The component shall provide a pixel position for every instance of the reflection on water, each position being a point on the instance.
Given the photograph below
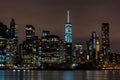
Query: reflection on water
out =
(60, 75)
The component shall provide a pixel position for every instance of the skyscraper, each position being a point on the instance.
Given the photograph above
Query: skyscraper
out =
(105, 36)
(94, 40)
(68, 29)
(30, 47)
(95, 45)
(105, 42)
(12, 28)
(68, 39)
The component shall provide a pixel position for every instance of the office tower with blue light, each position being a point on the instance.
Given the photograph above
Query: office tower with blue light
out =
(68, 39)
(94, 44)
(68, 29)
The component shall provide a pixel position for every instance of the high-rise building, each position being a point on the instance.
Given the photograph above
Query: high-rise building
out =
(79, 53)
(68, 29)
(12, 28)
(50, 48)
(95, 45)
(68, 39)
(105, 42)
(105, 37)
(94, 40)
(30, 47)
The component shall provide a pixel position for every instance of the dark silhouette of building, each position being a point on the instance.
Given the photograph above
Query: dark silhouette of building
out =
(12, 28)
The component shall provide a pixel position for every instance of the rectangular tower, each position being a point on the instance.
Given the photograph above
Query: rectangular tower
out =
(68, 30)
(105, 42)
(68, 39)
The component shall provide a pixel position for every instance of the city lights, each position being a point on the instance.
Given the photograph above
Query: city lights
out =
(51, 52)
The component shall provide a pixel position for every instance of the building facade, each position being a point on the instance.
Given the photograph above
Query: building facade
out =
(68, 39)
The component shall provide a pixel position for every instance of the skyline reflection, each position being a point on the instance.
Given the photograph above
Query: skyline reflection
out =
(60, 75)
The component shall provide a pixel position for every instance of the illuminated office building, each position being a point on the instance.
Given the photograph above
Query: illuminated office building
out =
(95, 45)
(68, 30)
(94, 40)
(12, 44)
(68, 39)
(2, 52)
(39, 52)
(105, 37)
(50, 49)
(11, 52)
(30, 47)
(79, 49)
(105, 42)
(3, 41)
(62, 51)
(79, 53)
(90, 50)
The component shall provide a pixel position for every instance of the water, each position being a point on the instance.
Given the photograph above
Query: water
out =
(60, 75)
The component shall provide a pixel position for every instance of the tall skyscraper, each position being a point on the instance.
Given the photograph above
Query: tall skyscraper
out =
(12, 28)
(105, 42)
(95, 44)
(68, 39)
(68, 29)
(105, 36)
(94, 40)
(30, 47)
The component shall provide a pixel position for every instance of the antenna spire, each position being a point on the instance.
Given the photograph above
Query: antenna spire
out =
(68, 16)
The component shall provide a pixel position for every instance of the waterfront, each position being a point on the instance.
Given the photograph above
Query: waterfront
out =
(60, 75)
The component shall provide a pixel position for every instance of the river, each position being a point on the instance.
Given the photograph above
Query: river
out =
(60, 75)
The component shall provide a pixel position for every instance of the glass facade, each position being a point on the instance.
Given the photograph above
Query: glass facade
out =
(94, 40)
(68, 33)
(68, 29)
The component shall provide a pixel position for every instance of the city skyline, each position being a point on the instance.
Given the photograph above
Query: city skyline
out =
(52, 52)
(51, 15)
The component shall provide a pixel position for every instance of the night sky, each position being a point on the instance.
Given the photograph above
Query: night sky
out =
(86, 16)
